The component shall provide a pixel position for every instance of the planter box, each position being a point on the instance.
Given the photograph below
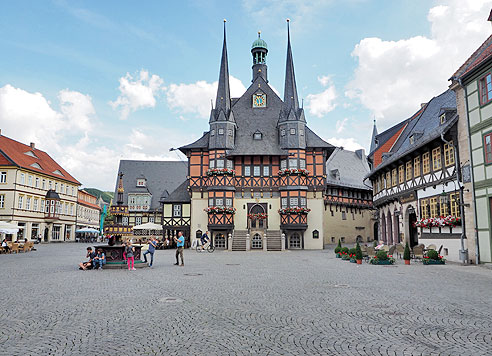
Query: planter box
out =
(337, 255)
(353, 260)
(427, 261)
(383, 262)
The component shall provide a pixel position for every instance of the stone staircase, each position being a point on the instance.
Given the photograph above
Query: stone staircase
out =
(239, 240)
(274, 240)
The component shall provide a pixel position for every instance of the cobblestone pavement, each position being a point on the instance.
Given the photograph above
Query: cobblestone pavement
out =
(255, 303)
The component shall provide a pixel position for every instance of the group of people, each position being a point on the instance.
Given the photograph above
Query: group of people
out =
(97, 259)
(6, 246)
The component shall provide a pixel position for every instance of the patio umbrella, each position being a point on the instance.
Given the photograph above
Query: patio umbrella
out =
(87, 229)
(148, 226)
(8, 228)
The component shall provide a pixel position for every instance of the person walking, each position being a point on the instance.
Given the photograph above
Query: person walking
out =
(151, 250)
(180, 241)
(129, 252)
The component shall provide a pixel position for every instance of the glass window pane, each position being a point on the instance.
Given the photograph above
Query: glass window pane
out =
(266, 171)
(256, 171)
(247, 171)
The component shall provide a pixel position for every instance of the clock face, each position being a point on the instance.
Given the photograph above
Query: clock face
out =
(259, 100)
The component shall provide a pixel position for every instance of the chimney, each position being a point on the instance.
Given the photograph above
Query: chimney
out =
(33, 146)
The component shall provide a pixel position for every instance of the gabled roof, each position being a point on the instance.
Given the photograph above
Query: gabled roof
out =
(202, 142)
(14, 154)
(425, 128)
(160, 176)
(478, 57)
(179, 195)
(351, 168)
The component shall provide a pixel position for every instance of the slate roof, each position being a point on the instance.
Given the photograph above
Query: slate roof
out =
(352, 167)
(202, 142)
(163, 177)
(179, 195)
(425, 128)
(386, 135)
(478, 57)
(13, 153)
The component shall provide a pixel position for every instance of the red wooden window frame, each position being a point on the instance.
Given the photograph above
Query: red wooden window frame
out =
(487, 147)
(485, 86)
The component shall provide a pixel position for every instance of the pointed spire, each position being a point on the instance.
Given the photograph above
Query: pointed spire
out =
(223, 100)
(291, 100)
(374, 143)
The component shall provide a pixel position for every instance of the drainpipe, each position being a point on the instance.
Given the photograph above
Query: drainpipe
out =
(463, 251)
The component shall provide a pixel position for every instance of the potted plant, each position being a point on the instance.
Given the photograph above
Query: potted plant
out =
(406, 254)
(358, 254)
(338, 248)
(345, 253)
(433, 258)
(382, 258)
(352, 254)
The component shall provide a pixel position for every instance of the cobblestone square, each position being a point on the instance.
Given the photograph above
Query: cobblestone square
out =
(255, 303)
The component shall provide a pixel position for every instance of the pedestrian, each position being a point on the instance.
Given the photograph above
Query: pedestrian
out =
(180, 241)
(129, 252)
(151, 250)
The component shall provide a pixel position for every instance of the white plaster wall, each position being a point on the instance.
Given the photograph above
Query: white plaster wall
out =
(199, 220)
(485, 246)
(315, 222)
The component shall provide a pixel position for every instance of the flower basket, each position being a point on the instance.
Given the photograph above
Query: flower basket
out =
(220, 210)
(221, 172)
(442, 221)
(293, 172)
(345, 256)
(258, 216)
(294, 210)
(382, 258)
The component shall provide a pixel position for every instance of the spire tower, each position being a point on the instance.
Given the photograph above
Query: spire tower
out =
(291, 101)
(223, 100)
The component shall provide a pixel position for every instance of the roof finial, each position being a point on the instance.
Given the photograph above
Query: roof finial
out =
(259, 33)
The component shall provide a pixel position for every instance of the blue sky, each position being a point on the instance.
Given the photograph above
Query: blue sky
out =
(95, 81)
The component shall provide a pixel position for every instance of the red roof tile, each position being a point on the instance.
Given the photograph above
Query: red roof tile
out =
(16, 152)
(483, 53)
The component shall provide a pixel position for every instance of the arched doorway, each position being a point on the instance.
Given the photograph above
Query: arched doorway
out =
(389, 231)
(256, 242)
(375, 231)
(295, 241)
(256, 223)
(413, 238)
(383, 234)
(396, 227)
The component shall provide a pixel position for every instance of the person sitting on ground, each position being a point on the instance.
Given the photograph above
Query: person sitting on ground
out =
(99, 259)
(5, 246)
(204, 239)
(89, 264)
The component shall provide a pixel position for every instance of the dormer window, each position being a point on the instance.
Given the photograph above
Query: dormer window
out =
(282, 132)
(301, 132)
(257, 135)
(58, 172)
(36, 165)
(141, 182)
(30, 153)
(229, 132)
(442, 118)
(411, 139)
(221, 131)
(292, 131)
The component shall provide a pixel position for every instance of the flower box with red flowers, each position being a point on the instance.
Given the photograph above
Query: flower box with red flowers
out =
(433, 258)
(441, 221)
(221, 172)
(381, 258)
(294, 210)
(345, 256)
(258, 216)
(219, 210)
(293, 172)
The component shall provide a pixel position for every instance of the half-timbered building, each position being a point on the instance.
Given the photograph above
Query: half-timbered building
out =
(416, 183)
(257, 177)
(176, 213)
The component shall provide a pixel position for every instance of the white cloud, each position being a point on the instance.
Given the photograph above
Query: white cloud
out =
(340, 125)
(195, 98)
(77, 108)
(346, 143)
(324, 102)
(137, 93)
(394, 77)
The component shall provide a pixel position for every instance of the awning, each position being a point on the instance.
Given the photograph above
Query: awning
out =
(87, 229)
(148, 226)
(8, 228)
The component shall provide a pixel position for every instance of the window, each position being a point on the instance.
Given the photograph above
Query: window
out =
(284, 203)
(424, 213)
(219, 202)
(401, 174)
(416, 167)
(256, 171)
(448, 154)
(2, 201)
(73, 191)
(125, 220)
(247, 171)
(43, 186)
(487, 146)
(409, 170)
(55, 234)
(66, 190)
(442, 118)
(426, 163)
(138, 220)
(393, 178)
(28, 203)
(151, 219)
(36, 184)
(220, 163)
(411, 139)
(3, 177)
(292, 131)
(42, 205)
(211, 202)
(443, 206)
(229, 132)
(22, 178)
(303, 202)
(177, 210)
(50, 185)
(485, 89)
(257, 136)
(266, 171)
(221, 131)
(454, 200)
(229, 202)
(293, 163)
(230, 164)
(293, 202)
(211, 164)
(436, 159)
(388, 180)
(283, 163)
(140, 182)
(301, 132)
(56, 186)
(71, 209)
(282, 132)
(302, 163)
(20, 202)
(29, 180)
(62, 190)
(433, 207)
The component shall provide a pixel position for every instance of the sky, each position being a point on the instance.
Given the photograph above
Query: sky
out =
(93, 82)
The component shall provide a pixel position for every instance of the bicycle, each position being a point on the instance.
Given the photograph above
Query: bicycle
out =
(207, 247)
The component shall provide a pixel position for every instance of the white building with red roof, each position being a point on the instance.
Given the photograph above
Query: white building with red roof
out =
(36, 193)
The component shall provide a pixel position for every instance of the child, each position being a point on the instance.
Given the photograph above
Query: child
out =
(129, 250)
(99, 259)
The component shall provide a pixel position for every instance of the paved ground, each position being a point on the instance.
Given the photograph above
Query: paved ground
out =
(291, 303)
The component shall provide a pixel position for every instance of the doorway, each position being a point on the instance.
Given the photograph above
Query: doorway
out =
(257, 220)
(412, 230)
(46, 234)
